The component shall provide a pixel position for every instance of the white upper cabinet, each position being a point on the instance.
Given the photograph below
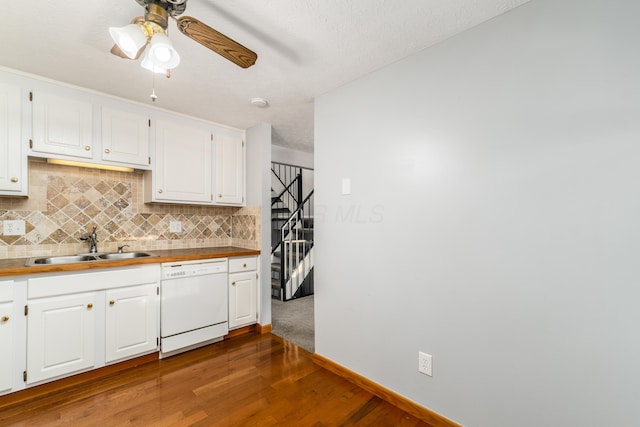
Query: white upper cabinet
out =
(196, 163)
(13, 176)
(62, 124)
(125, 137)
(230, 168)
(74, 125)
(188, 160)
(182, 170)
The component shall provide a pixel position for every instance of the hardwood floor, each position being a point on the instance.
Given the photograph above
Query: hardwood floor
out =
(250, 380)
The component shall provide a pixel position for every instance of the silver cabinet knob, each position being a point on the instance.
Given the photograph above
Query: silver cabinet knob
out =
(106, 150)
(160, 190)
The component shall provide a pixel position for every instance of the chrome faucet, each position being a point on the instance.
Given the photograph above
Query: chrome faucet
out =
(92, 238)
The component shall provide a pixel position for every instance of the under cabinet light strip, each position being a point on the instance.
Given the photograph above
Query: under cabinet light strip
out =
(89, 165)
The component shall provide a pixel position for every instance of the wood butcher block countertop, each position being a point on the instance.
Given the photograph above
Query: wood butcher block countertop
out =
(16, 266)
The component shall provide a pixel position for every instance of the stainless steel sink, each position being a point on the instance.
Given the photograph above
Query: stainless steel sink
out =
(82, 258)
(124, 255)
(54, 260)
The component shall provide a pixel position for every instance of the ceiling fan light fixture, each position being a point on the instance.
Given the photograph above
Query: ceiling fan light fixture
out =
(147, 64)
(161, 52)
(153, 26)
(130, 38)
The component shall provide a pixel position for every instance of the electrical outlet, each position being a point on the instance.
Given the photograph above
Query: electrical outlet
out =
(175, 226)
(425, 364)
(13, 228)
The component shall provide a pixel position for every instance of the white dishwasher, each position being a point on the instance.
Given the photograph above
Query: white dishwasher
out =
(193, 304)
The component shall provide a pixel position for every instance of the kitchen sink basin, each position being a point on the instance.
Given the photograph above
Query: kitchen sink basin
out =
(124, 255)
(55, 260)
(74, 259)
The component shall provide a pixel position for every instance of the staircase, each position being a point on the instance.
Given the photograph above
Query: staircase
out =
(291, 235)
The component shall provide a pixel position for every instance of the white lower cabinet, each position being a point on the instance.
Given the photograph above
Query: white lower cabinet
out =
(82, 321)
(12, 336)
(77, 321)
(243, 291)
(131, 321)
(7, 331)
(60, 336)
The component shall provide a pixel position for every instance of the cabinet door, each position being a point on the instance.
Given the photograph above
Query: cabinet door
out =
(131, 321)
(12, 180)
(230, 160)
(6, 344)
(125, 137)
(183, 163)
(62, 125)
(60, 336)
(242, 299)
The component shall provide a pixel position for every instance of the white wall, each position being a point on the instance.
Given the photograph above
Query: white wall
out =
(493, 221)
(291, 157)
(258, 194)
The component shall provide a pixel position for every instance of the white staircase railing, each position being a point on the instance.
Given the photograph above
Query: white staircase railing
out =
(296, 249)
(297, 266)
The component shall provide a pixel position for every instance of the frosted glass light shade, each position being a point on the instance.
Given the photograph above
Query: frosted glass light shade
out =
(161, 52)
(129, 38)
(147, 64)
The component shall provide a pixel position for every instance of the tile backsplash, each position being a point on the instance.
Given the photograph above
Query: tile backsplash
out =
(66, 202)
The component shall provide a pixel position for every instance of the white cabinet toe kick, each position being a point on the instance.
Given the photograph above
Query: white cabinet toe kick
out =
(185, 341)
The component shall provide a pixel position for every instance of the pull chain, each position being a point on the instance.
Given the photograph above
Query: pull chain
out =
(153, 95)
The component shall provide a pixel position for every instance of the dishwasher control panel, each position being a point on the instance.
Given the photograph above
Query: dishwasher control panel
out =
(175, 270)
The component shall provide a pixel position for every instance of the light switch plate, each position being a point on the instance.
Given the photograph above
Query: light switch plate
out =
(13, 227)
(346, 186)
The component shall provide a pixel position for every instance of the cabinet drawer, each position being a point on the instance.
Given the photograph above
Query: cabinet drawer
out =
(6, 290)
(243, 264)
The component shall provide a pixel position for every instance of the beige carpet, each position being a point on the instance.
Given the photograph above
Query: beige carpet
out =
(293, 321)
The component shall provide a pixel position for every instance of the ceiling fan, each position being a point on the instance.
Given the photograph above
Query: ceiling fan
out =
(148, 34)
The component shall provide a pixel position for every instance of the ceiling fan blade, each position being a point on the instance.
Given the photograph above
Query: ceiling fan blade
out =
(116, 51)
(216, 41)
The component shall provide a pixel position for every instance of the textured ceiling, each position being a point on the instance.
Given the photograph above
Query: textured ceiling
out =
(305, 48)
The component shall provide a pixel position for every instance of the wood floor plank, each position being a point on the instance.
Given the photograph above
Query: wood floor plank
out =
(250, 380)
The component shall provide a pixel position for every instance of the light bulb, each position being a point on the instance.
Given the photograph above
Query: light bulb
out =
(162, 53)
(147, 64)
